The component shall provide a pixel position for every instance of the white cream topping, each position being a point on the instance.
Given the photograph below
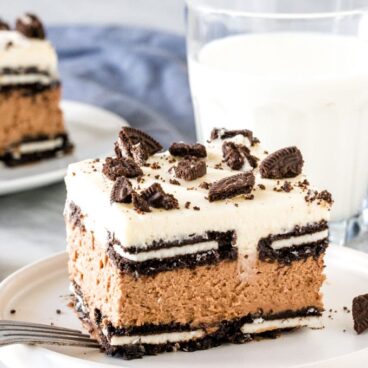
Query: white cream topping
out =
(162, 338)
(270, 212)
(299, 240)
(260, 325)
(18, 51)
(168, 252)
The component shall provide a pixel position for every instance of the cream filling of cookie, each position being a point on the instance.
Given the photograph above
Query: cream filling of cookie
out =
(300, 240)
(33, 147)
(167, 252)
(162, 338)
(10, 79)
(260, 325)
(270, 212)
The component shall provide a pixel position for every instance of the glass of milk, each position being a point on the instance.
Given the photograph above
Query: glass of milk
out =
(296, 73)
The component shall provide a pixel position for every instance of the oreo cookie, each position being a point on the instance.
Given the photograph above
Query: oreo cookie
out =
(184, 149)
(232, 156)
(135, 144)
(231, 186)
(4, 26)
(139, 203)
(360, 313)
(282, 164)
(157, 198)
(226, 134)
(30, 26)
(116, 167)
(122, 191)
(190, 168)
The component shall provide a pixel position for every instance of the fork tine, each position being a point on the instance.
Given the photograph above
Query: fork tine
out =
(48, 341)
(12, 332)
(54, 336)
(6, 323)
(8, 330)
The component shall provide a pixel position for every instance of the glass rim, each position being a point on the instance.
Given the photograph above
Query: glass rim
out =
(196, 6)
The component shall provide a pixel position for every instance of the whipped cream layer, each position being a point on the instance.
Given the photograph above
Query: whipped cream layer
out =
(19, 52)
(270, 212)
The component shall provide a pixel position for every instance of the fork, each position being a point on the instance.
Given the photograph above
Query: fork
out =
(16, 332)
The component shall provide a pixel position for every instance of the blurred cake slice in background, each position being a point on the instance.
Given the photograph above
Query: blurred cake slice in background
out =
(31, 125)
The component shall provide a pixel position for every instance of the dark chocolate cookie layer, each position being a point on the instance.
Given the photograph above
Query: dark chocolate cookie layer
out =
(10, 160)
(154, 266)
(28, 89)
(294, 253)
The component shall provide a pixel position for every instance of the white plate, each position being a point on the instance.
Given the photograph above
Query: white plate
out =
(92, 130)
(36, 291)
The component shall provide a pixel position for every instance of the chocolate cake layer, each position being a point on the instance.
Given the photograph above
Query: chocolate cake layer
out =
(13, 158)
(305, 235)
(215, 335)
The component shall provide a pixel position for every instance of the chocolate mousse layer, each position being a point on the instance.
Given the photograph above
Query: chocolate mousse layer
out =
(208, 294)
(28, 120)
(213, 335)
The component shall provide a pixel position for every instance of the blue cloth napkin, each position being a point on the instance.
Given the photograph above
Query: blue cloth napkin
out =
(139, 74)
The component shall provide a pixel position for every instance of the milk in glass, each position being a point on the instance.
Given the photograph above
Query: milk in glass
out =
(303, 89)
